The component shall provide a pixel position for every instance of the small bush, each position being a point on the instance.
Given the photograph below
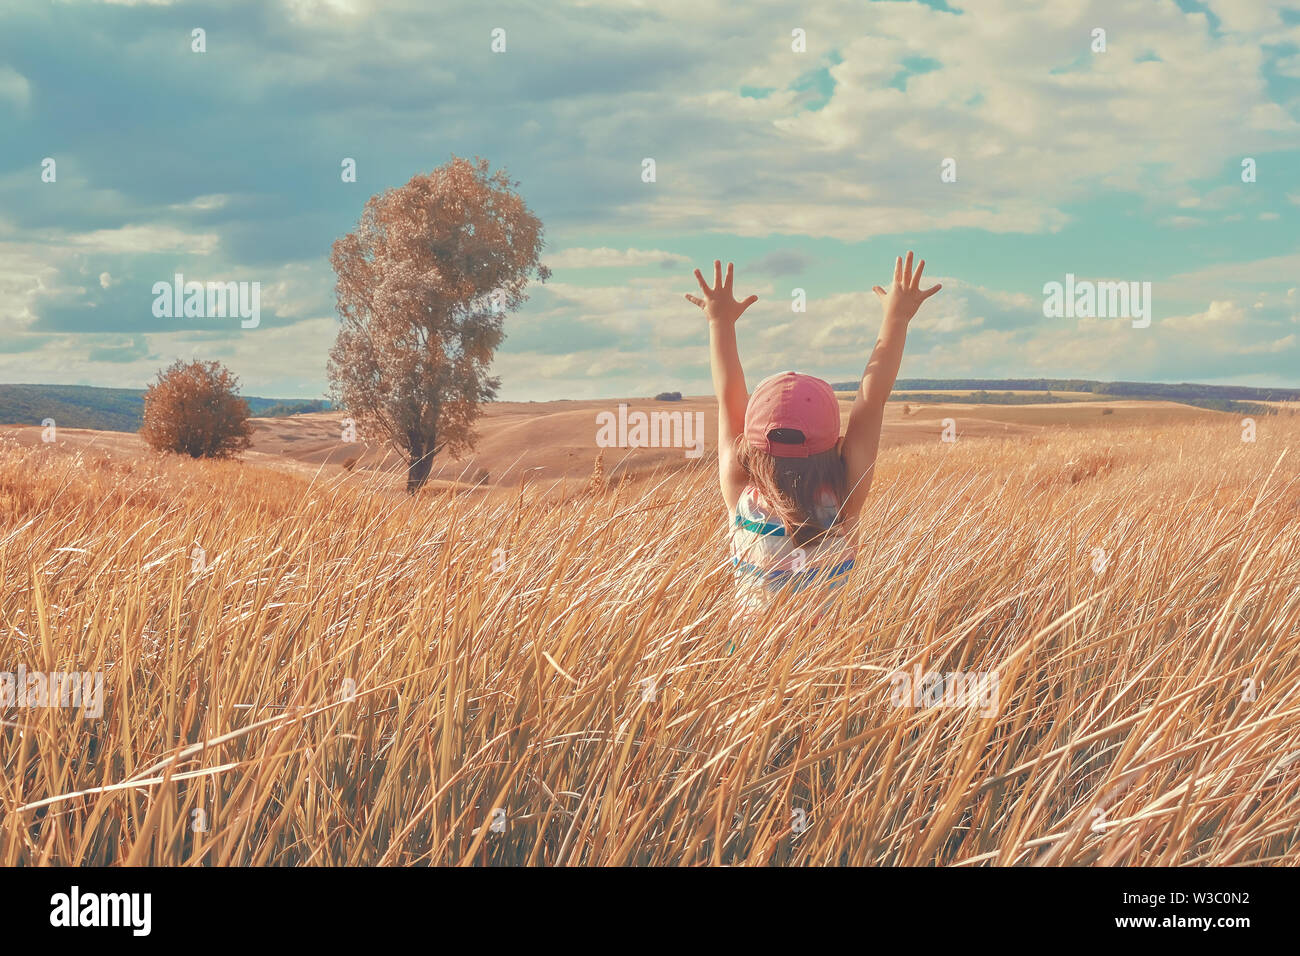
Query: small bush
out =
(194, 409)
(668, 397)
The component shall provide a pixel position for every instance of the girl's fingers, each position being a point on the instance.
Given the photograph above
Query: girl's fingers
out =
(907, 271)
(726, 283)
(747, 303)
(879, 291)
(916, 279)
(898, 271)
(926, 293)
(695, 300)
(699, 277)
(717, 273)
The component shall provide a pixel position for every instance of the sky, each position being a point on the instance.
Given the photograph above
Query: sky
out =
(809, 163)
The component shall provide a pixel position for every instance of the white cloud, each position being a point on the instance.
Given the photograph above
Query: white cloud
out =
(1285, 344)
(1032, 117)
(606, 258)
(25, 273)
(202, 203)
(14, 87)
(311, 9)
(1219, 313)
(144, 239)
(1254, 16)
(1260, 271)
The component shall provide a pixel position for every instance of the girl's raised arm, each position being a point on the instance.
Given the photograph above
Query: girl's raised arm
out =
(722, 309)
(862, 437)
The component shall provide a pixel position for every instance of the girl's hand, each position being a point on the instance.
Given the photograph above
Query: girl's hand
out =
(905, 295)
(718, 303)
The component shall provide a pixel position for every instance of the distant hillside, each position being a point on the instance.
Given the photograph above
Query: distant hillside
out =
(979, 398)
(1222, 398)
(111, 409)
(1161, 390)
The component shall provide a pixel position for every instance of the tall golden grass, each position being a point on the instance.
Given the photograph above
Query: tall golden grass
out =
(356, 677)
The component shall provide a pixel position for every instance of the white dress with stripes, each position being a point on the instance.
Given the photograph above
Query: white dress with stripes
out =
(766, 560)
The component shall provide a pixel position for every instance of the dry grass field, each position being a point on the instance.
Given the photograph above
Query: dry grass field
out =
(497, 676)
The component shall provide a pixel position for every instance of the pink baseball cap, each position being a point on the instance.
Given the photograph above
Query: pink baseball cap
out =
(800, 409)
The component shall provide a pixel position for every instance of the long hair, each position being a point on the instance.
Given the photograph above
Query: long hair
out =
(792, 486)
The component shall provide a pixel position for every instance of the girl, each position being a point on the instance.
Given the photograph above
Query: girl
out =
(793, 486)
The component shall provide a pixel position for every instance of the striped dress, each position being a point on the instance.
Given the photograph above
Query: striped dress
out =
(765, 560)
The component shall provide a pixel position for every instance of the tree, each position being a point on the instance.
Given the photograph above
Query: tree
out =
(194, 409)
(423, 285)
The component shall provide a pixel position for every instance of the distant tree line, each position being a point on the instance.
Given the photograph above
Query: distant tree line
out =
(1180, 392)
(980, 397)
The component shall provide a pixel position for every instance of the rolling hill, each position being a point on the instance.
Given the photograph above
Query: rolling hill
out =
(110, 409)
(557, 442)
